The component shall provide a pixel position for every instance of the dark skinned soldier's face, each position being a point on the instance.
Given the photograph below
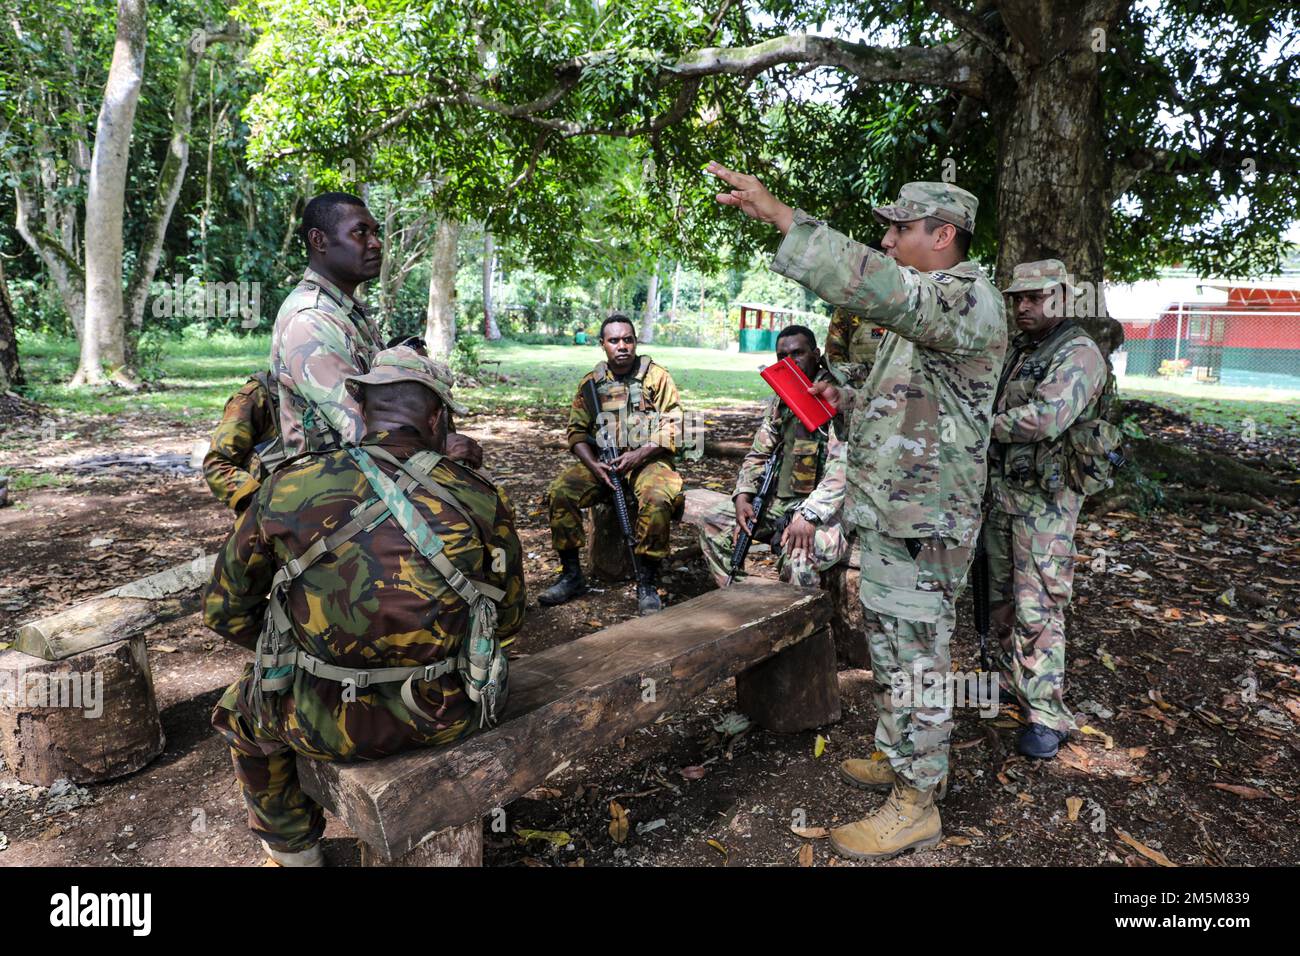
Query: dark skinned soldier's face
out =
(805, 354)
(619, 342)
(352, 251)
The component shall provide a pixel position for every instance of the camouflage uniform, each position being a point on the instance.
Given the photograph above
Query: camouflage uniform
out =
(375, 603)
(851, 346)
(645, 405)
(803, 464)
(250, 419)
(1029, 534)
(321, 336)
(915, 462)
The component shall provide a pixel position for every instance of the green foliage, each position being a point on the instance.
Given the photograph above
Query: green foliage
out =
(467, 354)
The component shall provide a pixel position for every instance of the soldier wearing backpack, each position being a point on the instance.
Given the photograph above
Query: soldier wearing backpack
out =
(375, 583)
(1051, 446)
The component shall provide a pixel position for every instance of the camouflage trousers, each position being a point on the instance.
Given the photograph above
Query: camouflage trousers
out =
(1031, 578)
(718, 527)
(655, 485)
(264, 747)
(909, 588)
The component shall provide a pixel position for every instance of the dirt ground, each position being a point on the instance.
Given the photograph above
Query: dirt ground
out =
(1182, 660)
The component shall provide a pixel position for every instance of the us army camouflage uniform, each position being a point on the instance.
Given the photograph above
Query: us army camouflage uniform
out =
(230, 467)
(803, 465)
(915, 463)
(377, 603)
(320, 337)
(642, 406)
(851, 346)
(1029, 534)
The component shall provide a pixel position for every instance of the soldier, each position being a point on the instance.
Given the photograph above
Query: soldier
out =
(915, 464)
(1051, 391)
(641, 399)
(803, 517)
(245, 446)
(851, 345)
(323, 333)
(359, 656)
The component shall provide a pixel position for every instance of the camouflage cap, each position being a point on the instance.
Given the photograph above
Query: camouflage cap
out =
(404, 364)
(1039, 276)
(944, 201)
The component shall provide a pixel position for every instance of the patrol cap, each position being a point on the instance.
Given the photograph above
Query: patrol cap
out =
(1039, 276)
(403, 364)
(943, 201)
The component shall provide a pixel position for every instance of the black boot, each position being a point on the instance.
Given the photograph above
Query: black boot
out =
(571, 582)
(1041, 742)
(647, 596)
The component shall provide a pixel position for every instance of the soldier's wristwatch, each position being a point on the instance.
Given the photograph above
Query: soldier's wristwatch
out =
(809, 515)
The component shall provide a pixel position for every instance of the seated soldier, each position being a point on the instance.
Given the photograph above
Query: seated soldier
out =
(381, 560)
(639, 401)
(246, 444)
(802, 521)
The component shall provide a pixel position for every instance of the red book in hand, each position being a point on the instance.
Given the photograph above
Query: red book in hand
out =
(791, 385)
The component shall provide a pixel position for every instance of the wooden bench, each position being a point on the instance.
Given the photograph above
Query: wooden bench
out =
(426, 808)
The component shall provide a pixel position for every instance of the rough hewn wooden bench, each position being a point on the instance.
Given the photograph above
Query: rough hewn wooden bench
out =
(426, 808)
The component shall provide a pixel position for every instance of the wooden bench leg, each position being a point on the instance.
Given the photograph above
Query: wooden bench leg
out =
(798, 689)
(847, 624)
(454, 846)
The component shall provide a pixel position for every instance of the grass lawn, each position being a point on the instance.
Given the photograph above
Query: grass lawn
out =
(1230, 407)
(199, 374)
(548, 375)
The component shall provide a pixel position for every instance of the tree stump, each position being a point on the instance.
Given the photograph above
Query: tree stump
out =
(798, 689)
(454, 846)
(847, 623)
(89, 717)
(607, 555)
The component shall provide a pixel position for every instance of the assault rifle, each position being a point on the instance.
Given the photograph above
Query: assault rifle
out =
(762, 501)
(607, 451)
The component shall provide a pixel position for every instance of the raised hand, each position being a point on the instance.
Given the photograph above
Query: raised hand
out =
(752, 197)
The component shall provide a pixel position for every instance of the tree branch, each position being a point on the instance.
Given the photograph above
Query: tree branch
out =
(970, 24)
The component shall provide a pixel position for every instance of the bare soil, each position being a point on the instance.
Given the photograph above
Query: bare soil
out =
(1182, 657)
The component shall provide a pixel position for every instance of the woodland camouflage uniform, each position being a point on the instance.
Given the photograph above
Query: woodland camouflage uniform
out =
(250, 420)
(321, 336)
(1048, 387)
(915, 465)
(375, 603)
(803, 465)
(646, 408)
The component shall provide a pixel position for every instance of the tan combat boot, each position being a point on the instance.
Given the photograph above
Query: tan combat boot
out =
(907, 820)
(875, 773)
(308, 857)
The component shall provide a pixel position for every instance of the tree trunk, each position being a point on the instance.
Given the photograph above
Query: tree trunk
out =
(391, 254)
(11, 373)
(170, 178)
(440, 317)
(677, 286)
(1052, 200)
(651, 308)
(490, 330)
(104, 338)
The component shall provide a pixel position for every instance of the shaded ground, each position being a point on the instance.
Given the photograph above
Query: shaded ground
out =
(1182, 643)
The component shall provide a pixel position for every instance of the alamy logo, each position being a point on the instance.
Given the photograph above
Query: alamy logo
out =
(945, 690)
(103, 909)
(83, 691)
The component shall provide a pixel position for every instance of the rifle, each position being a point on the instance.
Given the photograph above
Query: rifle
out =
(607, 451)
(762, 501)
(980, 598)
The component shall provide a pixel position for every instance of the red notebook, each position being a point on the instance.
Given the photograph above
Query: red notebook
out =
(791, 385)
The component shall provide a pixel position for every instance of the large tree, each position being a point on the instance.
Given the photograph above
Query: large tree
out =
(1117, 136)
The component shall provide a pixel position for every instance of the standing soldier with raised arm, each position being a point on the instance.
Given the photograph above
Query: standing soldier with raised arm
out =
(915, 464)
(1050, 440)
(640, 402)
(803, 520)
